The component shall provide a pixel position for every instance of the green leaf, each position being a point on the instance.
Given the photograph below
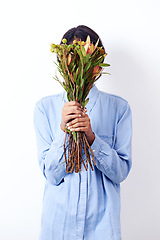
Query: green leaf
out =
(67, 130)
(70, 83)
(74, 77)
(86, 58)
(83, 51)
(86, 76)
(71, 93)
(85, 103)
(104, 65)
(85, 95)
(80, 94)
(68, 97)
(72, 68)
(80, 75)
(74, 136)
(64, 85)
(82, 82)
(81, 72)
(56, 78)
(80, 54)
(76, 74)
(98, 61)
(77, 91)
(88, 66)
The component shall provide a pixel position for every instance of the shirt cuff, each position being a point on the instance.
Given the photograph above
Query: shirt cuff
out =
(100, 148)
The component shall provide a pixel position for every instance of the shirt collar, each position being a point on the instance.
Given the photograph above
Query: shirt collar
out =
(93, 96)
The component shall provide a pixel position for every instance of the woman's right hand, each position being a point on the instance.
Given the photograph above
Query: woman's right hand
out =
(70, 111)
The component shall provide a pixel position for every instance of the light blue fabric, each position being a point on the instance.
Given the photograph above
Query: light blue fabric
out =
(84, 205)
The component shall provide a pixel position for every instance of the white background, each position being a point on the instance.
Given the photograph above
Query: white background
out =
(130, 33)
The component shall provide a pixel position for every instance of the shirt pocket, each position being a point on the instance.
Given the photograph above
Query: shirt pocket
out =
(108, 139)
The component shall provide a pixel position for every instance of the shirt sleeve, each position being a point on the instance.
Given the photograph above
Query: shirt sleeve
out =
(116, 162)
(50, 151)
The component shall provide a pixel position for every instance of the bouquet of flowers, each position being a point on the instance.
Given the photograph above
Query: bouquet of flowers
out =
(80, 64)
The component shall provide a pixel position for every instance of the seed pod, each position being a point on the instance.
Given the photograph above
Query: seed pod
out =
(64, 40)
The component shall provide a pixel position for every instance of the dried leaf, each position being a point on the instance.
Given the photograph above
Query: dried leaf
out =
(69, 59)
(96, 44)
(106, 73)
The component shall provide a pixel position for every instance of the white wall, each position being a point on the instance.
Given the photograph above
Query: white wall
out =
(130, 33)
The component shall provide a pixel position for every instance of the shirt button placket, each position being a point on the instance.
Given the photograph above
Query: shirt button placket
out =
(81, 211)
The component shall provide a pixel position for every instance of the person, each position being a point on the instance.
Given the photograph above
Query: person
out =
(83, 205)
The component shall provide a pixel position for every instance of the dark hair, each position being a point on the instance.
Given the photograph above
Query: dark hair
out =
(81, 32)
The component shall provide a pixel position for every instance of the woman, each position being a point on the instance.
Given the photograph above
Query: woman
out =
(83, 205)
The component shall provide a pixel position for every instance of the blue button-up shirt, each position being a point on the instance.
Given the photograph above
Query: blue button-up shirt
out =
(84, 205)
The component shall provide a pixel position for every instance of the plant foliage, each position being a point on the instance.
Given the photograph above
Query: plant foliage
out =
(80, 64)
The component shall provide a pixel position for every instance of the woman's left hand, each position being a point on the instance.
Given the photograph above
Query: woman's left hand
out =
(82, 124)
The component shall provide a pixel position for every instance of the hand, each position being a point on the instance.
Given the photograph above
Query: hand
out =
(75, 119)
(82, 124)
(70, 111)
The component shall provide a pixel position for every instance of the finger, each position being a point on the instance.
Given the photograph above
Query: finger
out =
(79, 124)
(73, 110)
(84, 110)
(79, 129)
(71, 117)
(74, 103)
(78, 119)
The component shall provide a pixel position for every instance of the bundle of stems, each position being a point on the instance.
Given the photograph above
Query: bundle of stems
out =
(80, 64)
